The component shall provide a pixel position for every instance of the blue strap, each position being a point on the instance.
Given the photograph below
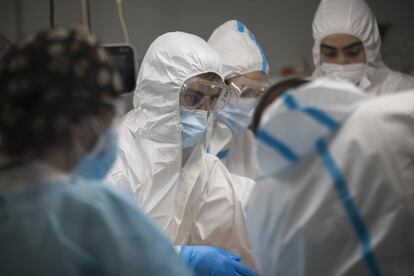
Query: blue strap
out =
(290, 101)
(348, 204)
(241, 28)
(314, 113)
(264, 61)
(322, 118)
(274, 143)
(223, 154)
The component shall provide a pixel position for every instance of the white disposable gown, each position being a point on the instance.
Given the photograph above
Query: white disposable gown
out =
(339, 198)
(200, 202)
(240, 54)
(354, 17)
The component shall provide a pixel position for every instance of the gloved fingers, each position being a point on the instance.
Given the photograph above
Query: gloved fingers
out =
(242, 269)
(235, 257)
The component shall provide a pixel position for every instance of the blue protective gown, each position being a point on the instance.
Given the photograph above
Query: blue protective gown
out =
(79, 228)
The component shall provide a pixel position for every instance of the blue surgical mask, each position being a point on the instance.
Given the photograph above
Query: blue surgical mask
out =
(193, 125)
(97, 163)
(237, 114)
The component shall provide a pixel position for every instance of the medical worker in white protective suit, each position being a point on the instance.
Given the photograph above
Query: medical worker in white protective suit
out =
(162, 156)
(339, 198)
(347, 46)
(245, 69)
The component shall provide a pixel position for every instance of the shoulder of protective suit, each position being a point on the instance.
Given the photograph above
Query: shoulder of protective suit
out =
(402, 81)
(388, 122)
(241, 187)
(387, 81)
(215, 167)
(380, 109)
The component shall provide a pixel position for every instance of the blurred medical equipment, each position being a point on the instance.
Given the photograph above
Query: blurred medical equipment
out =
(122, 57)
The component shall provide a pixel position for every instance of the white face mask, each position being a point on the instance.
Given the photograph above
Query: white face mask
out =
(237, 115)
(350, 72)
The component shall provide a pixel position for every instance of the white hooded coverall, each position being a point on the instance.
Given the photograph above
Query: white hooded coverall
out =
(342, 202)
(240, 54)
(355, 18)
(199, 203)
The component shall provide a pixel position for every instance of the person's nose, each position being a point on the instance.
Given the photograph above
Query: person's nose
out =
(341, 59)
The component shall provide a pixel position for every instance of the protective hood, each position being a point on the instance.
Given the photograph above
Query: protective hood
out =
(240, 54)
(352, 17)
(150, 147)
(238, 49)
(290, 127)
(350, 199)
(170, 60)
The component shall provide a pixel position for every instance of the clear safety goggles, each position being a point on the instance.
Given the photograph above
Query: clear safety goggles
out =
(197, 93)
(246, 88)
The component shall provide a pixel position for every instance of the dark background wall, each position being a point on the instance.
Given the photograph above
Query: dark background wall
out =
(282, 27)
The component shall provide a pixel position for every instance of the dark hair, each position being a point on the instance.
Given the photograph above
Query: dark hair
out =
(210, 76)
(272, 94)
(48, 83)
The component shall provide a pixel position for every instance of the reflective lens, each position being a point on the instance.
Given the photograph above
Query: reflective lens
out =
(197, 93)
(247, 88)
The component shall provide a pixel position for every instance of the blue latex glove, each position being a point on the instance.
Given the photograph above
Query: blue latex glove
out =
(207, 261)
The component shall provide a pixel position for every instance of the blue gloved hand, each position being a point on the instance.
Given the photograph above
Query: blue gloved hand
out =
(207, 260)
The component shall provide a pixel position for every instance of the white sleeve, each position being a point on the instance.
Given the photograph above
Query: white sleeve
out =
(122, 176)
(221, 219)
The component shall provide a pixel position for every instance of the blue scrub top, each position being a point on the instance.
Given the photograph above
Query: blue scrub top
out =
(80, 228)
